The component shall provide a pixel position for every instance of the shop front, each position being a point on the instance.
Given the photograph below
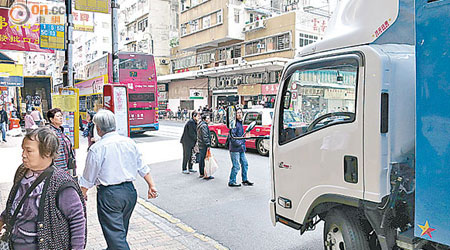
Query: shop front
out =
(187, 94)
(225, 97)
(250, 95)
(269, 93)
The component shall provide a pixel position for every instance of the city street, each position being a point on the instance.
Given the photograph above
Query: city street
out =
(236, 217)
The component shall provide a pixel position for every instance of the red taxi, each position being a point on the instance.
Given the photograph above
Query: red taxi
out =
(263, 118)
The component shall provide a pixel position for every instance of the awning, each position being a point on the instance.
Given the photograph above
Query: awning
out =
(265, 65)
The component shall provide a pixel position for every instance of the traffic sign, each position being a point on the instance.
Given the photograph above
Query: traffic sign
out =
(52, 37)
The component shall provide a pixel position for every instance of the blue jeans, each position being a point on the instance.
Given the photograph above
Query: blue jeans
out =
(114, 207)
(3, 129)
(236, 158)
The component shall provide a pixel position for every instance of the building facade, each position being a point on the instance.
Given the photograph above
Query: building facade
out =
(233, 52)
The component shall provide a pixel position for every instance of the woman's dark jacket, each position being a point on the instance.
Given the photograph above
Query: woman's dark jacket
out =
(237, 145)
(52, 226)
(189, 137)
(203, 135)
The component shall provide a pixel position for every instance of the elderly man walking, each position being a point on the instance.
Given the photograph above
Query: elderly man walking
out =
(112, 164)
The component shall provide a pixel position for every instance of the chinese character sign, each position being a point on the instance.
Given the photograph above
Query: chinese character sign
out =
(52, 37)
(23, 37)
(101, 6)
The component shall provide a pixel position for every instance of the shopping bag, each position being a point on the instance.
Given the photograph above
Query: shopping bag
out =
(211, 165)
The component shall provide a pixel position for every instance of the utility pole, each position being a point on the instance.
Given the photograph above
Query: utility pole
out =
(68, 67)
(114, 39)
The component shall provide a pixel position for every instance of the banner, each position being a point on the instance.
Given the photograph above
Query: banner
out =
(23, 37)
(83, 21)
(11, 75)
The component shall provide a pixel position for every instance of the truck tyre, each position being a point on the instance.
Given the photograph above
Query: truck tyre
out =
(214, 140)
(343, 231)
(261, 149)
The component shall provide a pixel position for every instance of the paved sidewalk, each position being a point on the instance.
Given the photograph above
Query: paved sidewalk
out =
(150, 227)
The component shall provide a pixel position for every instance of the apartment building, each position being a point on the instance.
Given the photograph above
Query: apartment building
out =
(148, 26)
(89, 46)
(233, 52)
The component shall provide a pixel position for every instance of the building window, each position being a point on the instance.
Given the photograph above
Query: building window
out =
(206, 22)
(184, 62)
(105, 39)
(194, 26)
(183, 29)
(305, 39)
(204, 58)
(236, 15)
(268, 44)
(219, 16)
(142, 25)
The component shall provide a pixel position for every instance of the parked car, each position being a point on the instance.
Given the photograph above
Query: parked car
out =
(263, 118)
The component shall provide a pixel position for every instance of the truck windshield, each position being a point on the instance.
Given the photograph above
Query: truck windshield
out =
(318, 95)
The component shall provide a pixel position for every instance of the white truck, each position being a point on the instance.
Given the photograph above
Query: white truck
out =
(364, 161)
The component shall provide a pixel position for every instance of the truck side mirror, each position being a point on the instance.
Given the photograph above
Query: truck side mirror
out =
(251, 127)
(231, 117)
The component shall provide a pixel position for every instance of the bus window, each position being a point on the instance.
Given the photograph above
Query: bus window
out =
(83, 104)
(133, 63)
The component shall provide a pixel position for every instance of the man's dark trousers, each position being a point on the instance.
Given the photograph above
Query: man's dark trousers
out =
(187, 155)
(115, 204)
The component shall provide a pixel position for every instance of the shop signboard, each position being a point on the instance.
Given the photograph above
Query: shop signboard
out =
(249, 90)
(162, 96)
(269, 89)
(92, 86)
(67, 101)
(52, 37)
(83, 21)
(11, 75)
(310, 91)
(20, 37)
(340, 94)
(195, 94)
(162, 87)
(100, 6)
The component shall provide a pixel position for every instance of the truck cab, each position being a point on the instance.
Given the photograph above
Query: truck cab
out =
(351, 162)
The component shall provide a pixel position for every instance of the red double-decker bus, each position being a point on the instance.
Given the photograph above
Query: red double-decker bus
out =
(137, 71)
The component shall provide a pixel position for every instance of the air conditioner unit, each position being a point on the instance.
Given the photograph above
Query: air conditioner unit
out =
(237, 60)
(201, 66)
(164, 62)
(213, 58)
(260, 46)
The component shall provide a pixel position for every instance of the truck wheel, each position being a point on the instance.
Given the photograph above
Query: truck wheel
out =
(343, 231)
(214, 140)
(261, 149)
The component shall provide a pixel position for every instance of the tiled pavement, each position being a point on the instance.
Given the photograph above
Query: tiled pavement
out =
(150, 227)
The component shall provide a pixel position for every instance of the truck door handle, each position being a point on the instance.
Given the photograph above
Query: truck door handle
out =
(284, 166)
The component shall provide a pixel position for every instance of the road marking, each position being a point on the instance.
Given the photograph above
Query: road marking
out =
(177, 222)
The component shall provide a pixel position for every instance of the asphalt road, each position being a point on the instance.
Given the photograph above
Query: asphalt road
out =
(236, 217)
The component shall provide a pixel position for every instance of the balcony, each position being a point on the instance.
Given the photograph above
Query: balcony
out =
(256, 25)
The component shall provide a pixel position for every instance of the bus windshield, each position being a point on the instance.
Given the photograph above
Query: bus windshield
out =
(133, 63)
